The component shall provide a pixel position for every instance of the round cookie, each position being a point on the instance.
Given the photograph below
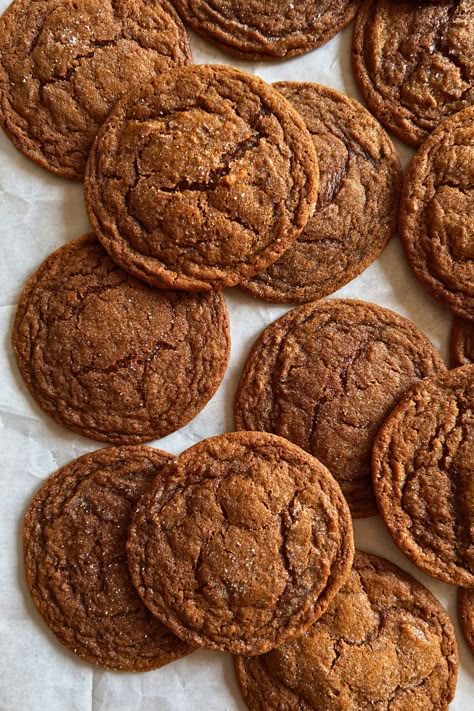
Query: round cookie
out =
(385, 642)
(462, 342)
(423, 465)
(437, 214)
(325, 376)
(414, 63)
(64, 64)
(76, 568)
(242, 543)
(357, 208)
(466, 615)
(201, 179)
(258, 30)
(109, 357)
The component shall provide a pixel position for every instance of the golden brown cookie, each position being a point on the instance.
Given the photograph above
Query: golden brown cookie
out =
(462, 342)
(242, 543)
(275, 29)
(201, 179)
(64, 64)
(414, 62)
(357, 208)
(437, 214)
(111, 358)
(466, 615)
(385, 642)
(423, 471)
(325, 376)
(76, 564)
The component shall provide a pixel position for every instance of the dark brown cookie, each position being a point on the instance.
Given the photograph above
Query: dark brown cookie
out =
(109, 357)
(76, 564)
(64, 64)
(201, 179)
(275, 29)
(423, 469)
(462, 342)
(414, 62)
(466, 615)
(325, 376)
(357, 208)
(385, 642)
(242, 544)
(437, 214)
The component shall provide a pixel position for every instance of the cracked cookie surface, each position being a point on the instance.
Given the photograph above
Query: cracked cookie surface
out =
(76, 567)
(462, 342)
(325, 376)
(275, 29)
(414, 62)
(361, 653)
(242, 544)
(466, 615)
(437, 214)
(356, 212)
(64, 64)
(201, 179)
(111, 358)
(423, 472)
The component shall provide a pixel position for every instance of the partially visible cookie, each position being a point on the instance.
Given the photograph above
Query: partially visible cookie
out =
(385, 642)
(76, 564)
(201, 179)
(414, 62)
(64, 64)
(111, 358)
(462, 342)
(242, 543)
(325, 376)
(275, 29)
(423, 471)
(466, 615)
(357, 208)
(437, 214)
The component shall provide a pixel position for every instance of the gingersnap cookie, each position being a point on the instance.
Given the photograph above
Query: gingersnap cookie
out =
(110, 358)
(242, 543)
(325, 376)
(462, 342)
(466, 615)
(267, 30)
(64, 64)
(423, 470)
(357, 207)
(201, 179)
(76, 564)
(385, 642)
(437, 214)
(414, 63)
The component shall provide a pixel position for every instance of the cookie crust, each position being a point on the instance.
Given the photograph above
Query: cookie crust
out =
(466, 615)
(462, 342)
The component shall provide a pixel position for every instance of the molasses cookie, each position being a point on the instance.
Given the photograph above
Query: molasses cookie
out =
(201, 179)
(414, 62)
(111, 358)
(64, 64)
(423, 469)
(325, 376)
(385, 642)
(76, 564)
(462, 342)
(466, 615)
(437, 214)
(356, 212)
(242, 543)
(267, 30)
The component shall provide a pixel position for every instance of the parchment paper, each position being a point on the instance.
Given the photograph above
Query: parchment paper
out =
(38, 213)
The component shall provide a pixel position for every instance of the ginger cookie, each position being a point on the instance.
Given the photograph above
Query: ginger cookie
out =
(201, 179)
(466, 615)
(76, 564)
(385, 642)
(242, 543)
(437, 214)
(325, 376)
(462, 342)
(64, 64)
(111, 358)
(267, 30)
(414, 62)
(357, 208)
(423, 470)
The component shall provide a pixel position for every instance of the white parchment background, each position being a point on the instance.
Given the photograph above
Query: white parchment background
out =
(38, 213)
